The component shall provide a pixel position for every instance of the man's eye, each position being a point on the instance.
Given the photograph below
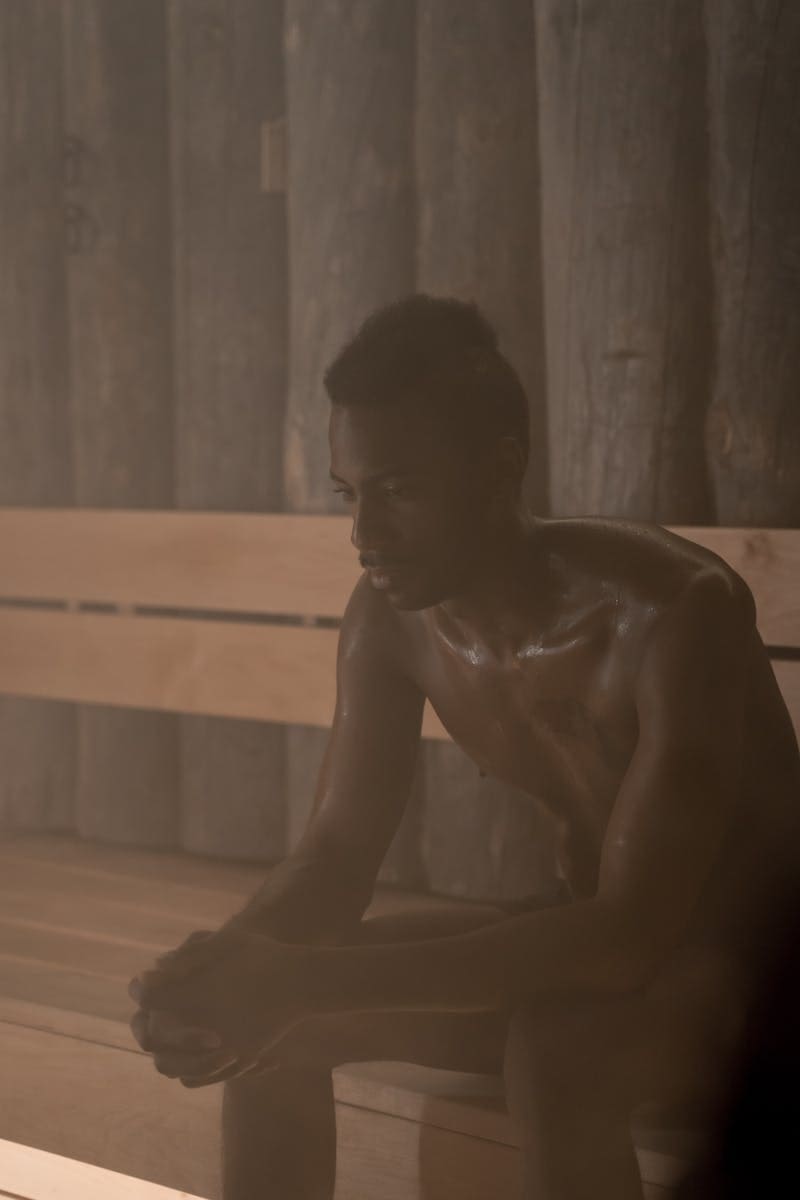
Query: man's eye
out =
(404, 493)
(341, 492)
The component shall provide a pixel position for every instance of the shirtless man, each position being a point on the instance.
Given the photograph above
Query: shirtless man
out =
(611, 670)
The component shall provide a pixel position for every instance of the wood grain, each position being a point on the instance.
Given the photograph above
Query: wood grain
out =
(264, 672)
(37, 738)
(230, 311)
(626, 272)
(174, 879)
(351, 214)
(237, 562)
(754, 182)
(121, 362)
(82, 1087)
(478, 182)
(33, 1174)
(107, 1107)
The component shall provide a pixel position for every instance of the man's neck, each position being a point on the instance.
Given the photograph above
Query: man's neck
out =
(505, 595)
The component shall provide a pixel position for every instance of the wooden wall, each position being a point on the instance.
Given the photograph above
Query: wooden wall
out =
(627, 275)
(226, 81)
(120, 347)
(37, 739)
(617, 183)
(349, 77)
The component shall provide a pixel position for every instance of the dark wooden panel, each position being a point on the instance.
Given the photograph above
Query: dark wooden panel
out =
(37, 738)
(625, 234)
(230, 282)
(754, 118)
(478, 183)
(226, 82)
(349, 82)
(121, 364)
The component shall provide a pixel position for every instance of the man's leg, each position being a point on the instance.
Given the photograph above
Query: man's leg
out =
(577, 1067)
(278, 1128)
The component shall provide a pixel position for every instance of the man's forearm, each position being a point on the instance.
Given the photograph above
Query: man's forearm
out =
(575, 947)
(304, 899)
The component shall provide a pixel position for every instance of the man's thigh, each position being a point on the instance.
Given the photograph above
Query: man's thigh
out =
(671, 1044)
(422, 924)
(458, 1041)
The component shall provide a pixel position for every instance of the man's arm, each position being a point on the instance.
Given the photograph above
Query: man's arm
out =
(671, 815)
(325, 884)
(323, 887)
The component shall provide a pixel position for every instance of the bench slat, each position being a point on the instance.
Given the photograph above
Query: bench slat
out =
(239, 562)
(219, 668)
(769, 562)
(275, 673)
(281, 563)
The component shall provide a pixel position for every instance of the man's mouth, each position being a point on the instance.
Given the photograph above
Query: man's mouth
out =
(384, 575)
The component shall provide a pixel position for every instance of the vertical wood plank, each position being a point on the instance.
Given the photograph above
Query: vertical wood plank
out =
(349, 84)
(478, 189)
(349, 79)
(478, 183)
(121, 368)
(37, 738)
(622, 134)
(754, 116)
(230, 288)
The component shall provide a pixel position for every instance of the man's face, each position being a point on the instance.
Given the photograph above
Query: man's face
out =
(416, 502)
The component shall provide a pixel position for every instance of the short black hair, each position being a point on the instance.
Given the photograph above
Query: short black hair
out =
(441, 351)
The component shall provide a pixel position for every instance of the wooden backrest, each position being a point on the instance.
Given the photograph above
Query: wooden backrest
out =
(235, 614)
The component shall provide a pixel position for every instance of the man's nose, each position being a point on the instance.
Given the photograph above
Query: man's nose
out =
(368, 530)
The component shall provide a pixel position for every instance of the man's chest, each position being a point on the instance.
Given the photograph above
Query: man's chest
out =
(555, 719)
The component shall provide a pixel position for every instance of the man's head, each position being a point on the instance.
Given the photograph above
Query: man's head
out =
(429, 442)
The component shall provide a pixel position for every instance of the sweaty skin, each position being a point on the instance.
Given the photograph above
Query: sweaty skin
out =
(610, 670)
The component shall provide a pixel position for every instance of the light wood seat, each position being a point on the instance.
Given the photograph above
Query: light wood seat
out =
(77, 920)
(30, 1174)
(228, 615)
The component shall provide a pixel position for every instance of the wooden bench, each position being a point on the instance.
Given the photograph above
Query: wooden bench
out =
(114, 607)
(30, 1174)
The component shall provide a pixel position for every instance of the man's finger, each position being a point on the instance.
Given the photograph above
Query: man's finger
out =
(174, 1064)
(231, 1070)
(154, 989)
(167, 1032)
(259, 1066)
(262, 1066)
(139, 1029)
(190, 954)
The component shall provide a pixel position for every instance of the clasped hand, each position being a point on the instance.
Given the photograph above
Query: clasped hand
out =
(212, 1008)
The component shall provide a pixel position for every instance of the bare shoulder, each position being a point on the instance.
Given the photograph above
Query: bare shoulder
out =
(657, 579)
(372, 627)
